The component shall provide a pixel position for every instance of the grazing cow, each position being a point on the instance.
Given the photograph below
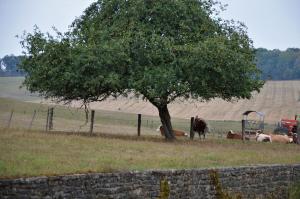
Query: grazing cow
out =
(232, 135)
(200, 126)
(176, 132)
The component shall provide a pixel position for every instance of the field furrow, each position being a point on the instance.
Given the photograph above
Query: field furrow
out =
(277, 99)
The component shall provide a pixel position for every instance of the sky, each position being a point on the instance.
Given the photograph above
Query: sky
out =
(272, 24)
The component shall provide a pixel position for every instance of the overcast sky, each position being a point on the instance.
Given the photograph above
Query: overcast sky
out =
(272, 24)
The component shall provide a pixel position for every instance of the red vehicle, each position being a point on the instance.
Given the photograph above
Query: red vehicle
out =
(288, 126)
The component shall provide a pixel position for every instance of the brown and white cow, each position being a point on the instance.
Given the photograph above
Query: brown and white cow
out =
(281, 138)
(273, 138)
(261, 137)
(232, 135)
(177, 133)
(235, 136)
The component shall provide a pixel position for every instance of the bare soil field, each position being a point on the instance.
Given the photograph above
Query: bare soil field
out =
(277, 99)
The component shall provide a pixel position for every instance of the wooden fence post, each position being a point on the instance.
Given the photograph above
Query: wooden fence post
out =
(298, 132)
(243, 129)
(139, 124)
(47, 120)
(32, 119)
(92, 121)
(51, 118)
(191, 129)
(10, 118)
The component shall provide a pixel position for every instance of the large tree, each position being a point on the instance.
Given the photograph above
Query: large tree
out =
(161, 50)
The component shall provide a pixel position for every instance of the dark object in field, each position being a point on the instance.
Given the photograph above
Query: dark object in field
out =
(200, 126)
(281, 130)
(295, 138)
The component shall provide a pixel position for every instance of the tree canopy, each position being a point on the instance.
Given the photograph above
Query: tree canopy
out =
(279, 65)
(161, 50)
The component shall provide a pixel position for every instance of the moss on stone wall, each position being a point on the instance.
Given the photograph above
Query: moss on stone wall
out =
(294, 191)
(220, 192)
(164, 189)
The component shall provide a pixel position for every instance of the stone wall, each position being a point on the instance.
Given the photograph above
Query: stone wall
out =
(246, 182)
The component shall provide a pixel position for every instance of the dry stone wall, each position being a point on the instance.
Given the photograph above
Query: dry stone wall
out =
(241, 182)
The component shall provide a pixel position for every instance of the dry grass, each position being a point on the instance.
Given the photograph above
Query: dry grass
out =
(71, 119)
(10, 88)
(38, 153)
(277, 99)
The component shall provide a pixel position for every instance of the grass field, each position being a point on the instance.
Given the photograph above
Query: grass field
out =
(71, 119)
(109, 119)
(38, 153)
(10, 88)
(115, 145)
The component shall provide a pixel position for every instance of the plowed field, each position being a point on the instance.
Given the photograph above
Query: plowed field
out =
(277, 99)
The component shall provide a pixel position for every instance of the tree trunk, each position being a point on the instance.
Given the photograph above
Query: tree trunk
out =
(166, 122)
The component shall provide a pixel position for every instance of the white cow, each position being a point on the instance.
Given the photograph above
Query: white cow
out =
(260, 137)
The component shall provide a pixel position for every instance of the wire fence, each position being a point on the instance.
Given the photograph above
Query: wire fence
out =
(30, 120)
(74, 120)
(70, 119)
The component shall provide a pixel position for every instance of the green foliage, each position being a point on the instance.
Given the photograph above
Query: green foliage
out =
(220, 192)
(161, 50)
(279, 65)
(294, 191)
(164, 189)
(55, 68)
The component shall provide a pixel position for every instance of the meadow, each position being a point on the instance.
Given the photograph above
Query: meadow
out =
(37, 153)
(73, 119)
(114, 145)
(11, 87)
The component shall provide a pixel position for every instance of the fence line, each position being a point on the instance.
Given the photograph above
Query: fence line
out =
(10, 118)
(31, 122)
(92, 121)
(71, 120)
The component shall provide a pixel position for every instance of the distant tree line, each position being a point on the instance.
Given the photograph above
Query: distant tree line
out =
(274, 64)
(9, 66)
(279, 65)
